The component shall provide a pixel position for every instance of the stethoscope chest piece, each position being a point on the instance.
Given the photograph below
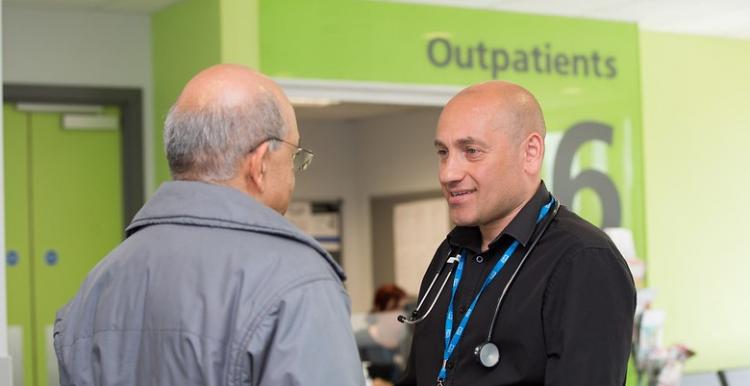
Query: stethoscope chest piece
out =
(487, 354)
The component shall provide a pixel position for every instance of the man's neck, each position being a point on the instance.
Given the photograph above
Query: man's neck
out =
(239, 183)
(491, 230)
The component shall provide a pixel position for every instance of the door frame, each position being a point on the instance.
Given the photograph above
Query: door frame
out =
(130, 103)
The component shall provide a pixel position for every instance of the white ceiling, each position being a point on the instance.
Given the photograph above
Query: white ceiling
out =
(138, 6)
(352, 111)
(728, 18)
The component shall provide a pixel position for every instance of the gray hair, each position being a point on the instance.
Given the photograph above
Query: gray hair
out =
(208, 144)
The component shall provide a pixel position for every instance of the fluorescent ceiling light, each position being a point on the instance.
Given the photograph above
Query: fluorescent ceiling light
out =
(315, 102)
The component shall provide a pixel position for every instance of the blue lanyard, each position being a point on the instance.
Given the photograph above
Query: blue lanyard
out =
(451, 339)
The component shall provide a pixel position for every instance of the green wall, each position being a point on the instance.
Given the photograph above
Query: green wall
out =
(240, 32)
(185, 39)
(188, 37)
(696, 133)
(584, 72)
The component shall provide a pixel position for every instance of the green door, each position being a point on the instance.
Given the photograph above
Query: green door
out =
(64, 213)
(17, 243)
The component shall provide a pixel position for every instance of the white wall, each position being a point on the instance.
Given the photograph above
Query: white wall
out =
(81, 48)
(333, 176)
(357, 160)
(397, 154)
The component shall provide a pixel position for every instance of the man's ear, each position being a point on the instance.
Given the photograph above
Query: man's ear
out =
(254, 168)
(533, 153)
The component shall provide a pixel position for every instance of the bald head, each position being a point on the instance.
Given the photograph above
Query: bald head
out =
(228, 86)
(512, 107)
(490, 142)
(223, 113)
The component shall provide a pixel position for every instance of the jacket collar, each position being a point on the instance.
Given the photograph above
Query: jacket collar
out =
(203, 204)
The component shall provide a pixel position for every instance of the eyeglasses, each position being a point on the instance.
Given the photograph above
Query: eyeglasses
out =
(301, 158)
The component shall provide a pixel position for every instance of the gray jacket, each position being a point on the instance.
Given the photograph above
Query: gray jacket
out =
(209, 288)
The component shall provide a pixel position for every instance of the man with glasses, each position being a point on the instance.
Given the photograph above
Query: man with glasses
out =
(301, 158)
(213, 286)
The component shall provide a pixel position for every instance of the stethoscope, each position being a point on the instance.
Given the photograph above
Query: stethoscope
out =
(486, 353)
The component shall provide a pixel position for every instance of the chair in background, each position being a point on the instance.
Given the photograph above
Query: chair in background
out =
(701, 379)
(736, 377)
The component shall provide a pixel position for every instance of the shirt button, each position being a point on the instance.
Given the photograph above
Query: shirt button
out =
(449, 365)
(479, 259)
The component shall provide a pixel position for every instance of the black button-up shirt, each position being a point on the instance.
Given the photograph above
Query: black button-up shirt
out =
(566, 320)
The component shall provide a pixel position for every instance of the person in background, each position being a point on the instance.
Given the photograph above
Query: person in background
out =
(567, 318)
(383, 343)
(213, 286)
(389, 297)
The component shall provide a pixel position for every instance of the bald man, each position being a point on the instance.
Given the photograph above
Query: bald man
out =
(538, 295)
(213, 286)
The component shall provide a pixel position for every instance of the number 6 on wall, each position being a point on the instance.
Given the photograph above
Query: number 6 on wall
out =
(567, 187)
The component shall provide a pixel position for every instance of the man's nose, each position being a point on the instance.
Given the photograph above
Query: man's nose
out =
(451, 170)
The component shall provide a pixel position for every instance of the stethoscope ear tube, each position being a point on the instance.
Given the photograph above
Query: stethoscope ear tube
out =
(413, 319)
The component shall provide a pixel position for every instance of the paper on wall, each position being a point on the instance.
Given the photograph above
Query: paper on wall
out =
(322, 226)
(419, 227)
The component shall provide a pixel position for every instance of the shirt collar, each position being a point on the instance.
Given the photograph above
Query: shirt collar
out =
(520, 228)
